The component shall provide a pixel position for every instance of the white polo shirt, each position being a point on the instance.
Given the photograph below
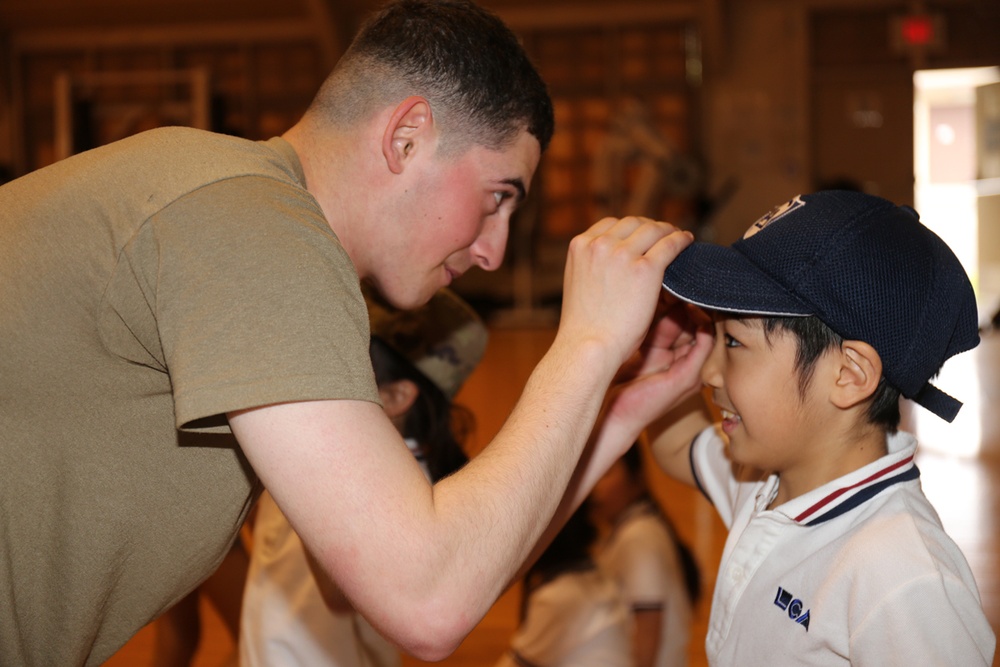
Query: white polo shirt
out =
(577, 619)
(859, 571)
(641, 556)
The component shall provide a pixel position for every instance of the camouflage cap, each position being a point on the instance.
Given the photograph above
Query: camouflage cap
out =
(444, 339)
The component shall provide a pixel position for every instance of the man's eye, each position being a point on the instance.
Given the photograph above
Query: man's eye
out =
(499, 197)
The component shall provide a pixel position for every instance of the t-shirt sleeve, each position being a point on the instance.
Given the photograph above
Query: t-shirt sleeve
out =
(256, 301)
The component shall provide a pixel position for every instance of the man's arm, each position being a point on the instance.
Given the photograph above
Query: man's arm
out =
(424, 564)
(333, 597)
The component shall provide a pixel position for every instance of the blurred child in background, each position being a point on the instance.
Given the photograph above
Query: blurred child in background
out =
(571, 612)
(656, 572)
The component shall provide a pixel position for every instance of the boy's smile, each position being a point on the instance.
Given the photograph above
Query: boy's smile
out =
(730, 421)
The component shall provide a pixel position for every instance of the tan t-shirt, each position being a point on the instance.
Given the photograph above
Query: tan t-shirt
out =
(146, 289)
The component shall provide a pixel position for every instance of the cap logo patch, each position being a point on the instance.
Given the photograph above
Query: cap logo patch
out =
(776, 213)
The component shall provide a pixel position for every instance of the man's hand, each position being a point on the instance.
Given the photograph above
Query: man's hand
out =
(612, 283)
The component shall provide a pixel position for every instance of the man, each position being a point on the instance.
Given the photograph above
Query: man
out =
(175, 289)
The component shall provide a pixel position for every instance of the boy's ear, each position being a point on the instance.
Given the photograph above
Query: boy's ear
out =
(858, 374)
(398, 397)
(409, 128)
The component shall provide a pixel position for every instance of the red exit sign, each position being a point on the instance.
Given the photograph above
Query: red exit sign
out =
(917, 31)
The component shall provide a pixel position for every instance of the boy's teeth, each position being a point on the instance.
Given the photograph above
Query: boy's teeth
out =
(726, 414)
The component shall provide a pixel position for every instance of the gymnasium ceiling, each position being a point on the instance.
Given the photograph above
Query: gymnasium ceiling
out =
(17, 16)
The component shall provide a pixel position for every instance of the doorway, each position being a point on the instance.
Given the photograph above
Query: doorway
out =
(951, 191)
(956, 132)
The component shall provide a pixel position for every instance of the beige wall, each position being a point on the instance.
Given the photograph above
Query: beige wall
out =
(760, 96)
(755, 125)
(988, 146)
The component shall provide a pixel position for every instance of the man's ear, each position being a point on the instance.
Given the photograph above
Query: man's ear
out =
(398, 397)
(858, 374)
(409, 127)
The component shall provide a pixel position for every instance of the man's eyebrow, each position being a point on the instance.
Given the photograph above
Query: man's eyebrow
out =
(518, 185)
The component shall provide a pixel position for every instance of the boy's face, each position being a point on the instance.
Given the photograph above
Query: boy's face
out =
(755, 383)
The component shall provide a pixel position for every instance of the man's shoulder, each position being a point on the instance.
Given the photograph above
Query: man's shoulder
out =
(173, 159)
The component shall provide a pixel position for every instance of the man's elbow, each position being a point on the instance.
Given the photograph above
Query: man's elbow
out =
(424, 614)
(432, 631)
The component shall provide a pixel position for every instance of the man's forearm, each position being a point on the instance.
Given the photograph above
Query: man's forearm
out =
(525, 471)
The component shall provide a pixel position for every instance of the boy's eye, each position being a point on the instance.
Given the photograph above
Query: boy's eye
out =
(730, 341)
(498, 196)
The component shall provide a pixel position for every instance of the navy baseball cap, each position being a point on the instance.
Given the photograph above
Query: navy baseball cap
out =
(868, 269)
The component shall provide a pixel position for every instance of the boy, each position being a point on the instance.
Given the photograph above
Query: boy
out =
(826, 311)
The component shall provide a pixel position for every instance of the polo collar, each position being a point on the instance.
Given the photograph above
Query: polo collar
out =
(855, 489)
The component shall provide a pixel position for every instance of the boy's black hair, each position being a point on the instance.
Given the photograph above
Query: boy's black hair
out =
(437, 424)
(813, 338)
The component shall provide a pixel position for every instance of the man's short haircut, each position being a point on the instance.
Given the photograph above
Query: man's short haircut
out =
(482, 87)
(813, 338)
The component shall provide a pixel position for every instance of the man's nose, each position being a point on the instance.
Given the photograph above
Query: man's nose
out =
(489, 247)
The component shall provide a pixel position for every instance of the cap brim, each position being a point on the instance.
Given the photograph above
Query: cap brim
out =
(720, 278)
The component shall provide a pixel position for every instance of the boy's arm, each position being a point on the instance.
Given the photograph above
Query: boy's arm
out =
(936, 619)
(670, 437)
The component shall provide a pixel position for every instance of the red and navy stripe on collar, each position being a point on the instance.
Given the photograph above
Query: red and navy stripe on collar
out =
(829, 508)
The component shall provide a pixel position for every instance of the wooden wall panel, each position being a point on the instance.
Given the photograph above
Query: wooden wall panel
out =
(593, 72)
(256, 89)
